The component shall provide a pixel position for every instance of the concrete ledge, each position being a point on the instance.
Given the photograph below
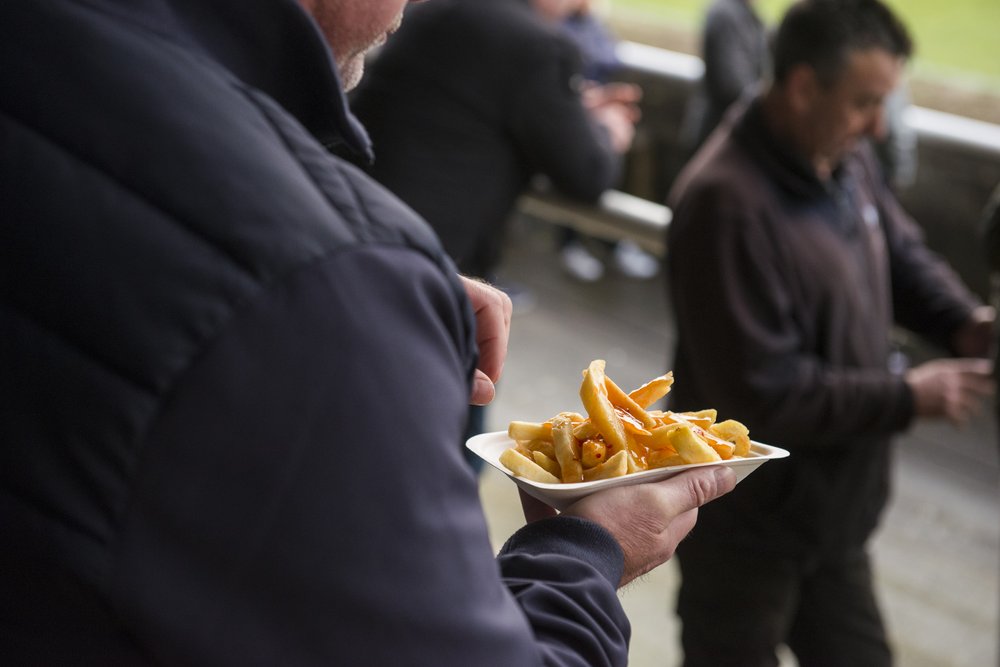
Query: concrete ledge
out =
(928, 123)
(654, 60)
(969, 133)
(616, 216)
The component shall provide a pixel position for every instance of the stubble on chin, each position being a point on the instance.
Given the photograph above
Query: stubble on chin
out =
(352, 67)
(351, 71)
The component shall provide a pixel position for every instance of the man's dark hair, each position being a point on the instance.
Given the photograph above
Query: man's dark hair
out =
(822, 33)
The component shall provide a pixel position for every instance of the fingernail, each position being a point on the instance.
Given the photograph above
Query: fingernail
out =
(483, 390)
(724, 475)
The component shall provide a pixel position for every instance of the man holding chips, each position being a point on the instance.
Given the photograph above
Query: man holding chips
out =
(234, 371)
(789, 262)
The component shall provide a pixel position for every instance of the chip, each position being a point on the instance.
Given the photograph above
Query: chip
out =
(620, 435)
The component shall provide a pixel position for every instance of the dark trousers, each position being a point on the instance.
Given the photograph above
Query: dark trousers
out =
(737, 608)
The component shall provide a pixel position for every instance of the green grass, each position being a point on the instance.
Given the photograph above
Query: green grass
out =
(954, 38)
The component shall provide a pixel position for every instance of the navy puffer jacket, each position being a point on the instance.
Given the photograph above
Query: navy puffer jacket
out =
(234, 371)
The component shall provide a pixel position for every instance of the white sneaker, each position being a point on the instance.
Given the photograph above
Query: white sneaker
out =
(635, 262)
(579, 263)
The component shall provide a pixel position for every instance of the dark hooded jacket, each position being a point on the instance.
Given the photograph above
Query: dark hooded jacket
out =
(234, 371)
(786, 290)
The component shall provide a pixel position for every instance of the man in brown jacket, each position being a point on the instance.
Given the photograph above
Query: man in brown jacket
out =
(790, 261)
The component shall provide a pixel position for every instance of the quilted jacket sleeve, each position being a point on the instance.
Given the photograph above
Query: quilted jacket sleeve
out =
(303, 498)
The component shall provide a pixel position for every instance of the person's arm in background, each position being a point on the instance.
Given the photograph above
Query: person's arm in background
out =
(303, 498)
(615, 107)
(612, 104)
(930, 299)
(577, 146)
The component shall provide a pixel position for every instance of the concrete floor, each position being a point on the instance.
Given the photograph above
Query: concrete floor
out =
(937, 553)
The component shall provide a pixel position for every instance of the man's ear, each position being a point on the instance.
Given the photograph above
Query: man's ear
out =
(803, 88)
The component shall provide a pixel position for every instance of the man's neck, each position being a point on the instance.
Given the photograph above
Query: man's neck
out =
(824, 170)
(784, 125)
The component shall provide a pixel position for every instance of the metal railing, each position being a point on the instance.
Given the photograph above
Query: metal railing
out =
(930, 124)
(615, 216)
(959, 167)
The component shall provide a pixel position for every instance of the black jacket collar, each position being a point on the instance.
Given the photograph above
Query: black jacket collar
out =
(787, 167)
(272, 45)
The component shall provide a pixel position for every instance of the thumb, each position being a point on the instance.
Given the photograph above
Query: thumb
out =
(534, 509)
(483, 389)
(699, 486)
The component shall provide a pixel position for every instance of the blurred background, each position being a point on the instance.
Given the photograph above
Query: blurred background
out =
(956, 66)
(938, 552)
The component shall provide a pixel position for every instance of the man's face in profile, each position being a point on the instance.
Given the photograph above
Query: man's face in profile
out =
(558, 10)
(354, 27)
(852, 108)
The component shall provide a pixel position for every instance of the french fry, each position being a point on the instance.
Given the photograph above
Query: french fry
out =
(653, 390)
(585, 431)
(692, 448)
(735, 432)
(622, 400)
(594, 394)
(544, 446)
(529, 431)
(616, 466)
(632, 424)
(659, 438)
(636, 455)
(723, 448)
(546, 463)
(620, 435)
(702, 418)
(521, 466)
(523, 449)
(664, 458)
(633, 464)
(567, 450)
